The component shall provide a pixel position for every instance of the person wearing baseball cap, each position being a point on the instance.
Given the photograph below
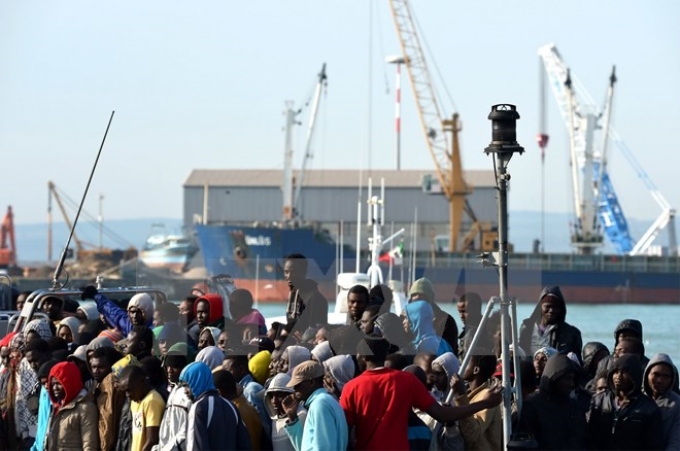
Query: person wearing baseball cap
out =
(325, 426)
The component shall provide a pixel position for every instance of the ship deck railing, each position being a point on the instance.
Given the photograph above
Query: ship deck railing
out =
(557, 262)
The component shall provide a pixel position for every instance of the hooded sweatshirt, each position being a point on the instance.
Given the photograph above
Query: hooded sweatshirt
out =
(73, 324)
(562, 336)
(420, 319)
(216, 307)
(173, 431)
(590, 350)
(635, 426)
(342, 369)
(90, 311)
(392, 329)
(280, 440)
(118, 317)
(444, 324)
(73, 423)
(553, 418)
(322, 351)
(296, 355)
(669, 403)
(211, 356)
(40, 327)
(213, 422)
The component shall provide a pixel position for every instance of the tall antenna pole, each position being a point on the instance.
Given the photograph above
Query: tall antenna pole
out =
(62, 259)
(542, 139)
(398, 115)
(100, 219)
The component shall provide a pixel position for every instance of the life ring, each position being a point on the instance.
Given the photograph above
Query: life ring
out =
(240, 253)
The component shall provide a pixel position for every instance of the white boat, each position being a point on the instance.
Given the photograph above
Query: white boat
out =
(167, 250)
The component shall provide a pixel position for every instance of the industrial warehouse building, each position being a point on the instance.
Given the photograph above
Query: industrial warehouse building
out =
(329, 199)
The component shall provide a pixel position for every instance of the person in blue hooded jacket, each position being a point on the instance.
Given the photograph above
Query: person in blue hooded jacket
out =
(213, 422)
(139, 311)
(419, 321)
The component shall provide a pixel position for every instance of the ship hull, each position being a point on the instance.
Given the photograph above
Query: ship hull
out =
(254, 258)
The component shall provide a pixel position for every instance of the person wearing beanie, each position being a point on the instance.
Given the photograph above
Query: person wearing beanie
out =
(444, 324)
(73, 423)
(139, 310)
(171, 333)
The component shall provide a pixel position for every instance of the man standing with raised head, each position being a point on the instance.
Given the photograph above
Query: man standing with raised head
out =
(306, 306)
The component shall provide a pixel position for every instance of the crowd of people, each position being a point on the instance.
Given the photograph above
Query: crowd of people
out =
(139, 375)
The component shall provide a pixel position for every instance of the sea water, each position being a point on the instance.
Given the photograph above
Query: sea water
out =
(660, 323)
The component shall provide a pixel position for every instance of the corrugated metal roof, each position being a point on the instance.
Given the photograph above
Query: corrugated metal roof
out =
(320, 178)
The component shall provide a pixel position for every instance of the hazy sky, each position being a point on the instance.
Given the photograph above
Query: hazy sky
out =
(203, 85)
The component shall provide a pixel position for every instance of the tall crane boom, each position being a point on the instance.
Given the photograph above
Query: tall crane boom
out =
(446, 158)
(595, 201)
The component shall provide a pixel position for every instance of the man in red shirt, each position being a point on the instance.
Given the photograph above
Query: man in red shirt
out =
(377, 402)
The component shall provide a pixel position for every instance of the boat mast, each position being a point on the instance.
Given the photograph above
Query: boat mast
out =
(288, 164)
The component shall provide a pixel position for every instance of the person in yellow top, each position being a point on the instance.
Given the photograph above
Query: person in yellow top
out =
(484, 429)
(146, 406)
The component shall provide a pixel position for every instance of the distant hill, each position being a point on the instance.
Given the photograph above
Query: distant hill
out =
(525, 226)
(31, 239)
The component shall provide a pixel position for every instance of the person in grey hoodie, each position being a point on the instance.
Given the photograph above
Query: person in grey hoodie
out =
(658, 382)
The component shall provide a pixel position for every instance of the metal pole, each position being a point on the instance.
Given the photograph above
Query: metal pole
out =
(506, 335)
(62, 259)
(398, 115)
(101, 221)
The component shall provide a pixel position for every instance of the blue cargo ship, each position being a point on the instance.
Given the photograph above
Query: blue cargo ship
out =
(254, 257)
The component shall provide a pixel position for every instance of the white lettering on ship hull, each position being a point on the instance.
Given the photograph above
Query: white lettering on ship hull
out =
(259, 240)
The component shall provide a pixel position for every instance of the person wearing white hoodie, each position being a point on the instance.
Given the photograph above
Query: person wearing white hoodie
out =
(274, 395)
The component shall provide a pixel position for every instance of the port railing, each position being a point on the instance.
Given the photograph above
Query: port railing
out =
(556, 262)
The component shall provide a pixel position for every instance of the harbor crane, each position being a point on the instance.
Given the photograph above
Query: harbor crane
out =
(596, 205)
(8, 249)
(292, 200)
(436, 130)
